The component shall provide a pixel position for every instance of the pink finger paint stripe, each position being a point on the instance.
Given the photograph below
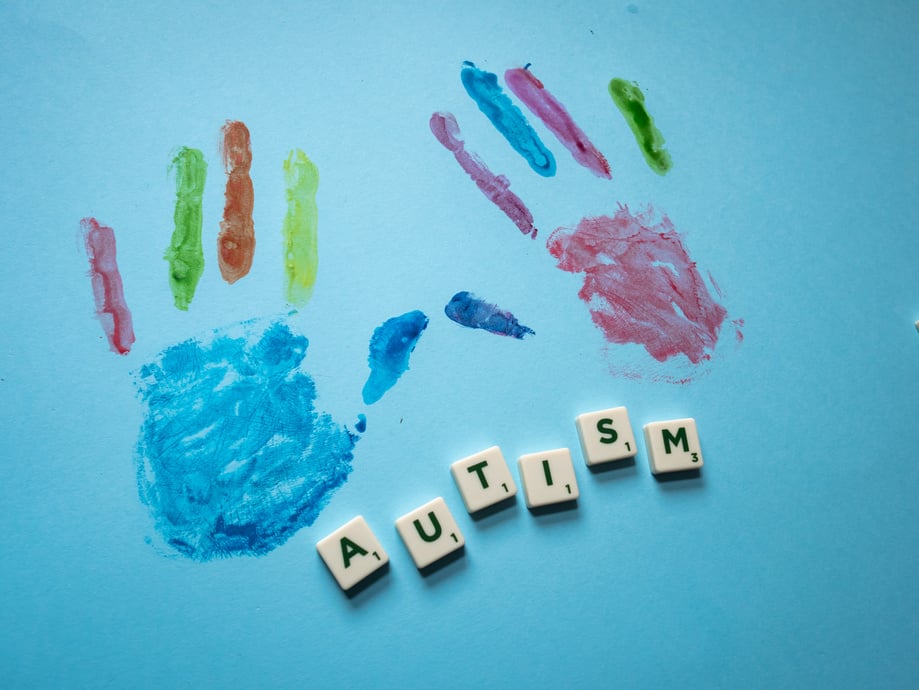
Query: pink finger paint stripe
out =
(495, 187)
(554, 115)
(111, 307)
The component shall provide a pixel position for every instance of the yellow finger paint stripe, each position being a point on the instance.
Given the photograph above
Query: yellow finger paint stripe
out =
(301, 253)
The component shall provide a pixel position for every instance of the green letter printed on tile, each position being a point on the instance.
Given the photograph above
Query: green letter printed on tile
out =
(437, 530)
(349, 549)
(675, 440)
(477, 468)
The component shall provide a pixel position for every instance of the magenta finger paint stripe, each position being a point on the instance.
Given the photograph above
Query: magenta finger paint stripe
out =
(554, 115)
(111, 307)
(495, 187)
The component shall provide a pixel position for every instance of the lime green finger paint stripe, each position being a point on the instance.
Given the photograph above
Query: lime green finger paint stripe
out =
(185, 254)
(301, 254)
(631, 103)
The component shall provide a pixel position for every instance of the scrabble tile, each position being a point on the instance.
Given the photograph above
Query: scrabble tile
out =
(483, 479)
(673, 446)
(352, 553)
(606, 436)
(430, 533)
(548, 477)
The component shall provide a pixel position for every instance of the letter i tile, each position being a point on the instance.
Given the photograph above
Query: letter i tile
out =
(548, 477)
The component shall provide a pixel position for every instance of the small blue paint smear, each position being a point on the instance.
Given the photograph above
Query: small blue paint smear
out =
(361, 425)
(507, 118)
(233, 457)
(468, 310)
(390, 346)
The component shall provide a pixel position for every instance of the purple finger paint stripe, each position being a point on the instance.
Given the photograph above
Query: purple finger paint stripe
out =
(468, 310)
(495, 187)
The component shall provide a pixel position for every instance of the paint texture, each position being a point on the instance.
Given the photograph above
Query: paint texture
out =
(390, 346)
(233, 457)
(495, 187)
(300, 230)
(506, 117)
(547, 108)
(185, 253)
(631, 103)
(640, 284)
(236, 240)
(108, 292)
(468, 310)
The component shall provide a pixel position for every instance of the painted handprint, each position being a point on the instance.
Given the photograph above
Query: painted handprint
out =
(640, 285)
(234, 455)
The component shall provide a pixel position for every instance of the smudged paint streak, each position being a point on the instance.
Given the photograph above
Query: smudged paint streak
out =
(640, 284)
(631, 103)
(547, 108)
(390, 346)
(468, 310)
(233, 457)
(300, 231)
(506, 117)
(108, 292)
(495, 187)
(236, 240)
(185, 253)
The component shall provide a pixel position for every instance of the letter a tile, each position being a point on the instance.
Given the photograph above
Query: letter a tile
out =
(352, 553)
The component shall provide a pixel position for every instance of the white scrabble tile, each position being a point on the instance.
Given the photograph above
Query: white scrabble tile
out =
(673, 446)
(430, 533)
(483, 479)
(352, 553)
(606, 435)
(548, 477)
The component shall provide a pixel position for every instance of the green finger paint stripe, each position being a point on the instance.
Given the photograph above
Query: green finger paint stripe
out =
(301, 252)
(631, 103)
(185, 253)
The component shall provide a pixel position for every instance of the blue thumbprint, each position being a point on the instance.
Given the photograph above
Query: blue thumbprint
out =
(233, 457)
(390, 346)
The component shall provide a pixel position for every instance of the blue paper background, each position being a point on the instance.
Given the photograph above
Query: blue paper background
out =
(793, 561)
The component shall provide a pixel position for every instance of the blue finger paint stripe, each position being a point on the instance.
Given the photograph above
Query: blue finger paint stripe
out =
(507, 118)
